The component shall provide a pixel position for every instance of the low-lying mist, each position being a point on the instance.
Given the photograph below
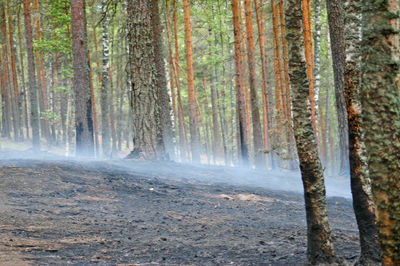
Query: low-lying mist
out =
(277, 179)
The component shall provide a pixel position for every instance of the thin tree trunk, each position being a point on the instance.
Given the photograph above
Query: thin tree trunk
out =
(16, 94)
(6, 99)
(8, 77)
(96, 136)
(317, 54)
(23, 87)
(41, 77)
(278, 75)
(206, 109)
(105, 88)
(240, 94)
(265, 91)
(306, 8)
(319, 248)
(32, 78)
(83, 99)
(380, 100)
(182, 127)
(259, 158)
(194, 123)
(336, 30)
(163, 97)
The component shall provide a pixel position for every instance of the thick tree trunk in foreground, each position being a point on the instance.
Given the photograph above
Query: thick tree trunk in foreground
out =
(148, 140)
(320, 248)
(164, 101)
(364, 207)
(83, 99)
(380, 99)
(336, 31)
(194, 123)
(32, 78)
(243, 149)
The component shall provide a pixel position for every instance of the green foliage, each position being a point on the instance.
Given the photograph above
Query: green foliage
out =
(50, 116)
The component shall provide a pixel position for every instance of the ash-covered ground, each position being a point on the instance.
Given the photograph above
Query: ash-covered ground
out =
(56, 211)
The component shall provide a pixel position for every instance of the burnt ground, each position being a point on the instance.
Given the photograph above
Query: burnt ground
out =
(70, 212)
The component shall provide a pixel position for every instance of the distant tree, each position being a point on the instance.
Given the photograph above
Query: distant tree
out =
(259, 158)
(240, 94)
(380, 99)
(148, 140)
(319, 248)
(194, 121)
(105, 116)
(266, 97)
(32, 78)
(83, 99)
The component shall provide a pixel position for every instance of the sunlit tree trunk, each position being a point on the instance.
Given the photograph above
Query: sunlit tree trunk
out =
(83, 99)
(259, 159)
(336, 30)
(306, 8)
(240, 94)
(380, 100)
(32, 78)
(182, 127)
(319, 247)
(194, 123)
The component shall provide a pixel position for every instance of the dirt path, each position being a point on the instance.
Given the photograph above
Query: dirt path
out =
(60, 212)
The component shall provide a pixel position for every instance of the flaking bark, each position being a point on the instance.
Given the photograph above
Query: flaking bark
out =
(319, 247)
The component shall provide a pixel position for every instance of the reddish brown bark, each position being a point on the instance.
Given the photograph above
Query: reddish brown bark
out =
(265, 93)
(10, 76)
(255, 113)
(288, 115)
(83, 99)
(240, 93)
(194, 123)
(309, 58)
(184, 144)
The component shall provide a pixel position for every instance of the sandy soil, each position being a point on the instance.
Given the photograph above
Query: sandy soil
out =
(71, 212)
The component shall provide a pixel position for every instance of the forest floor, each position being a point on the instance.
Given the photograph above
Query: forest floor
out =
(56, 211)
